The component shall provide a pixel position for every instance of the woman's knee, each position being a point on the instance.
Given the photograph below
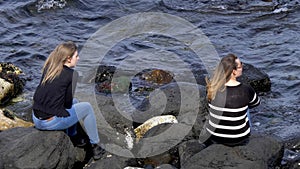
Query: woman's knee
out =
(83, 108)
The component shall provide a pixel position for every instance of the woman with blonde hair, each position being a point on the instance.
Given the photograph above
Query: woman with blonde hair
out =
(53, 105)
(229, 101)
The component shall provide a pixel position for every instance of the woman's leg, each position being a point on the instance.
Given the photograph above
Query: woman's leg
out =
(56, 123)
(72, 131)
(85, 112)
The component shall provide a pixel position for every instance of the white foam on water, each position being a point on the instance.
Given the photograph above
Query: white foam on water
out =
(50, 4)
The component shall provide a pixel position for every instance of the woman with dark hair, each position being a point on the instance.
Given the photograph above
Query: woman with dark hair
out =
(53, 105)
(229, 102)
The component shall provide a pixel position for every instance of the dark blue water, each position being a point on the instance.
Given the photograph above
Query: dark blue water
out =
(265, 34)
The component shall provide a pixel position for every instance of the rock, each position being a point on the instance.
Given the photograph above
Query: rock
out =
(189, 148)
(113, 162)
(165, 166)
(149, 80)
(9, 120)
(118, 84)
(175, 99)
(258, 79)
(154, 121)
(11, 84)
(158, 76)
(158, 145)
(185, 101)
(260, 152)
(111, 123)
(30, 148)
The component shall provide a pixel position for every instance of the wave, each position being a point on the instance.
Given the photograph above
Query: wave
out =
(232, 6)
(50, 4)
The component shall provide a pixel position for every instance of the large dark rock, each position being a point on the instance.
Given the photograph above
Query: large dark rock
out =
(258, 79)
(30, 148)
(261, 152)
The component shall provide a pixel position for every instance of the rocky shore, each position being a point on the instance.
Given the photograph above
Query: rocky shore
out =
(165, 145)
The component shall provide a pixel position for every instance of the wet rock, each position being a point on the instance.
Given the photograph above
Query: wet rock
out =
(8, 120)
(30, 148)
(258, 79)
(260, 152)
(158, 76)
(107, 83)
(119, 84)
(189, 148)
(291, 159)
(11, 83)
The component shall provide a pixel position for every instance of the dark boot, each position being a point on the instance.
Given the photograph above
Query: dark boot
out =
(98, 152)
(78, 141)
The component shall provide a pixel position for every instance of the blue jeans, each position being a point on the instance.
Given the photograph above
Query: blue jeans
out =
(79, 111)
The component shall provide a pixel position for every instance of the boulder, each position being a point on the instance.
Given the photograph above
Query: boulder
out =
(11, 83)
(159, 145)
(9, 120)
(257, 78)
(30, 148)
(260, 152)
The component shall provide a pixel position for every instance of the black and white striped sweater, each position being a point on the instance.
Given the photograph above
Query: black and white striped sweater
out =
(228, 120)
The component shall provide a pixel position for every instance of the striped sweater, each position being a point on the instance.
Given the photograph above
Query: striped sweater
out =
(228, 121)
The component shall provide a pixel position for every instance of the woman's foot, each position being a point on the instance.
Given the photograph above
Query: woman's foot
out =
(78, 141)
(98, 152)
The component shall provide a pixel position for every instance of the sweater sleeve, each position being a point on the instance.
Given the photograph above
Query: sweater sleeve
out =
(253, 97)
(71, 90)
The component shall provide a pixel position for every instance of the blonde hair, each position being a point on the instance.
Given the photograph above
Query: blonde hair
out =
(221, 75)
(57, 58)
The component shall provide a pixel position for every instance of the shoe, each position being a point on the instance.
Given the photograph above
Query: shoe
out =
(78, 141)
(98, 152)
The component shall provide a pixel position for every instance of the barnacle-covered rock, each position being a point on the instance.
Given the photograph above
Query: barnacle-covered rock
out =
(8, 120)
(11, 84)
(158, 76)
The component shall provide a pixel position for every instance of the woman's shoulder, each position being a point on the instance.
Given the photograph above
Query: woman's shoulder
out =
(247, 87)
